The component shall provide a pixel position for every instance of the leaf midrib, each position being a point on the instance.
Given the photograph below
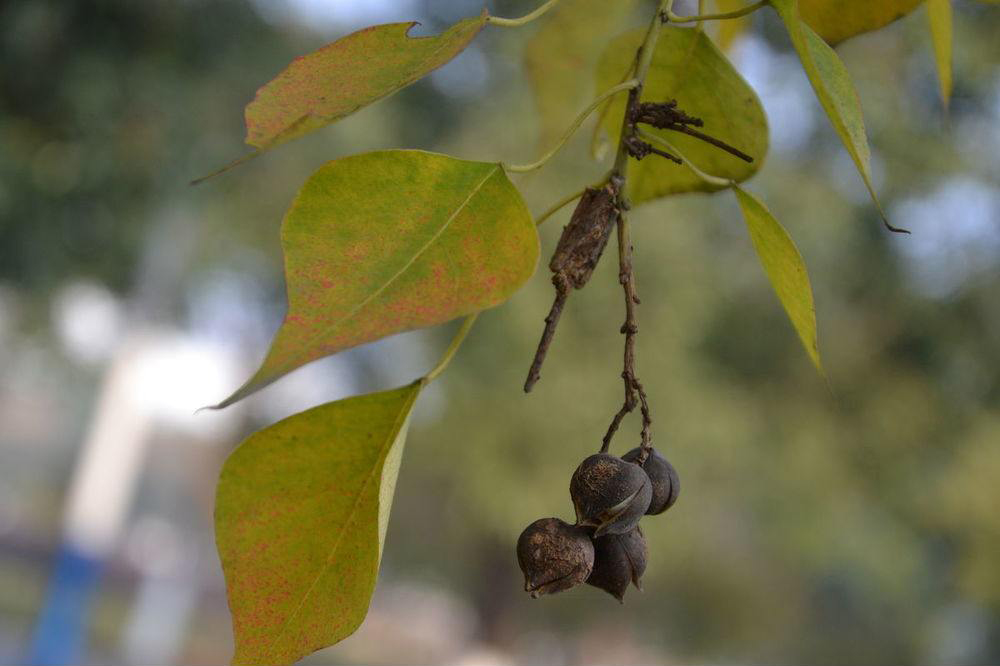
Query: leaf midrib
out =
(292, 361)
(283, 135)
(383, 450)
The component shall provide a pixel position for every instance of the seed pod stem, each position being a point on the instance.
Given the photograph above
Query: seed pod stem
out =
(551, 321)
(635, 394)
(579, 249)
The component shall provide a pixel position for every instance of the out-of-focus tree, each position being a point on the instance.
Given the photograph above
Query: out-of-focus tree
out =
(825, 523)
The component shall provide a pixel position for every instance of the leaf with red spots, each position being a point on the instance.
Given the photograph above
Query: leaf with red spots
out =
(301, 511)
(391, 241)
(352, 72)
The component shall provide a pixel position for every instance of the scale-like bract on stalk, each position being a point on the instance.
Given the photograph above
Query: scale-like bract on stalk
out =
(579, 249)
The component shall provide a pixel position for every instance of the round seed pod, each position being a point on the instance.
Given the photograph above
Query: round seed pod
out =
(609, 494)
(663, 476)
(554, 556)
(619, 559)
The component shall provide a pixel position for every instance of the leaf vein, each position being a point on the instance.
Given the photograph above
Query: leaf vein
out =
(293, 361)
(389, 441)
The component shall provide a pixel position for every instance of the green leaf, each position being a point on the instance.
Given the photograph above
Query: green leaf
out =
(688, 67)
(837, 20)
(939, 15)
(352, 72)
(391, 241)
(729, 30)
(834, 90)
(301, 511)
(785, 269)
(566, 45)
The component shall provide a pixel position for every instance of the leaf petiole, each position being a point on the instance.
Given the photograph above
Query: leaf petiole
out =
(708, 178)
(527, 18)
(522, 168)
(221, 170)
(556, 207)
(749, 9)
(449, 353)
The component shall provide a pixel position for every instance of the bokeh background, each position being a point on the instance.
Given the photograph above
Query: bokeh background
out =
(849, 521)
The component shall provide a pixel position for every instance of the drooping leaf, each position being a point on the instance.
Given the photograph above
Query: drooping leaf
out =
(390, 241)
(301, 512)
(727, 31)
(784, 268)
(688, 67)
(939, 15)
(561, 52)
(352, 72)
(834, 90)
(837, 20)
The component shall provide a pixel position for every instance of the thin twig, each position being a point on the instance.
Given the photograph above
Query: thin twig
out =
(635, 394)
(551, 321)
(712, 140)
(715, 181)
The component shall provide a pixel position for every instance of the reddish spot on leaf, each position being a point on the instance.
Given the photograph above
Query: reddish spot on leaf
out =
(352, 72)
(300, 518)
(439, 238)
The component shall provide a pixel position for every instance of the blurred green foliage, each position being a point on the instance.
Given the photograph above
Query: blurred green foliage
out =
(853, 522)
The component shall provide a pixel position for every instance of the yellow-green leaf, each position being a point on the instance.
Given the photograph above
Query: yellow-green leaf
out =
(837, 20)
(352, 72)
(834, 90)
(300, 516)
(391, 241)
(559, 55)
(784, 268)
(727, 31)
(688, 67)
(939, 15)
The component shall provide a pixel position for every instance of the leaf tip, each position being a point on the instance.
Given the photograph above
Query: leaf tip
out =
(817, 361)
(232, 165)
(893, 229)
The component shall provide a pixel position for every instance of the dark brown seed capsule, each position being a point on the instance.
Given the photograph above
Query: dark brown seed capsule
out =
(666, 483)
(609, 494)
(619, 559)
(554, 556)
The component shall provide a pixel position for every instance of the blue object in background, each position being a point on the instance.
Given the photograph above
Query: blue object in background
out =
(60, 637)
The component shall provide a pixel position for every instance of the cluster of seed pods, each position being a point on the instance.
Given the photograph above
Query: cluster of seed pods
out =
(606, 547)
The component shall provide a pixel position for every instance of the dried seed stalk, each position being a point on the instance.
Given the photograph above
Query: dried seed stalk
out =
(579, 249)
